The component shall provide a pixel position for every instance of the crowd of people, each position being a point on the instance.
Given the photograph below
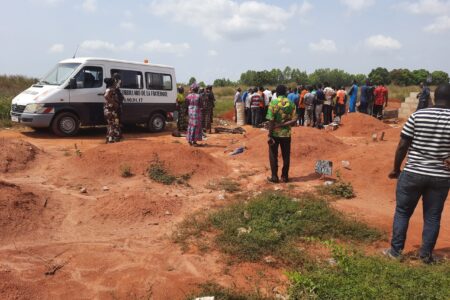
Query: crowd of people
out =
(195, 112)
(316, 105)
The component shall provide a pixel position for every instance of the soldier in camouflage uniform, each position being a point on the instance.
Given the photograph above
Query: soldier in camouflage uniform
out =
(208, 107)
(112, 109)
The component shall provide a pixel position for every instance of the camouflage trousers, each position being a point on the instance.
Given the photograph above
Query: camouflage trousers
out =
(207, 118)
(113, 131)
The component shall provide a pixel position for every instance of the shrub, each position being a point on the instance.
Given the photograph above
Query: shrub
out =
(226, 184)
(125, 171)
(159, 173)
(340, 189)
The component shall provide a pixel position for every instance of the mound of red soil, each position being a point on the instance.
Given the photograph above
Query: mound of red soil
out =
(179, 159)
(19, 211)
(137, 208)
(307, 143)
(357, 124)
(15, 154)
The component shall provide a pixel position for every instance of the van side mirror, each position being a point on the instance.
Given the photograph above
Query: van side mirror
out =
(72, 83)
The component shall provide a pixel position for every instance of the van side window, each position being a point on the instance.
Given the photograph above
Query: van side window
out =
(130, 79)
(89, 77)
(158, 81)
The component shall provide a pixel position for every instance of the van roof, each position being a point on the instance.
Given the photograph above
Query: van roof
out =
(97, 59)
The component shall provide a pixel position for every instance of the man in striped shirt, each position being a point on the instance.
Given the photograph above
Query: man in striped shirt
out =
(426, 136)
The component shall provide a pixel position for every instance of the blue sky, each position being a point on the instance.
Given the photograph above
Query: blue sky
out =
(212, 39)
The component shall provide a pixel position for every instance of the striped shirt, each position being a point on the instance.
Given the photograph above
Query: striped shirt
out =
(429, 132)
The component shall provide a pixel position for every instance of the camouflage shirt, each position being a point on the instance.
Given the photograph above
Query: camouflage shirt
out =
(281, 110)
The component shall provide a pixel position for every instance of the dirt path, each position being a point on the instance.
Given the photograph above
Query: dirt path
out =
(114, 242)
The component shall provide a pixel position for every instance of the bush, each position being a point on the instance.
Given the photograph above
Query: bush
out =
(125, 171)
(360, 277)
(340, 189)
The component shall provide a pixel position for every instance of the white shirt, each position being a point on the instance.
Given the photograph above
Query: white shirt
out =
(268, 97)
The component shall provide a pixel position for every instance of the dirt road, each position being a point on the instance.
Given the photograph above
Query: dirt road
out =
(114, 241)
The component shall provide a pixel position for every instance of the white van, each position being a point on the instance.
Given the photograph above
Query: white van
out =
(71, 95)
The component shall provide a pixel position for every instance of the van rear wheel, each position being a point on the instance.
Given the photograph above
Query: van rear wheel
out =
(66, 124)
(157, 123)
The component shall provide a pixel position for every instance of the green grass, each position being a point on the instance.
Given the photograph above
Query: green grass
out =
(401, 92)
(339, 189)
(223, 105)
(271, 224)
(157, 171)
(356, 276)
(10, 86)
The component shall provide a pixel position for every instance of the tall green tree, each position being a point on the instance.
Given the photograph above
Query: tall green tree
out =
(192, 80)
(403, 77)
(440, 77)
(420, 76)
(380, 75)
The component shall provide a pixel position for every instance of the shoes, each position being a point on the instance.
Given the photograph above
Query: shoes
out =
(428, 259)
(391, 254)
(273, 179)
(284, 179)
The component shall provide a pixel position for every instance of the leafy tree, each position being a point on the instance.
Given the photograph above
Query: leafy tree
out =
(299, 77)
(440, 77)
(202, 84)
(192, 80)
(360, 78)
(420, 76)
(224, 82)
(402, 77)
(287, 73)
(333, 77)
(380, 75)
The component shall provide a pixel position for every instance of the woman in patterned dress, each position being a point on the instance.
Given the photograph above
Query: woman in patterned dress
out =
(194, 104)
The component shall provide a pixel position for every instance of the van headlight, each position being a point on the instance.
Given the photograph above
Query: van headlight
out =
(35, 108)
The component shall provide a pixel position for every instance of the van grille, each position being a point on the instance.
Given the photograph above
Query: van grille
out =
(17, 108)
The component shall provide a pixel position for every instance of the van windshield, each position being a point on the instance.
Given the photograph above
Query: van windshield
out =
(59, 74)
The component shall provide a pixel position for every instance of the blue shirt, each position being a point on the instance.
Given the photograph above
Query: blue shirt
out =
(293, 97)
(364, 93)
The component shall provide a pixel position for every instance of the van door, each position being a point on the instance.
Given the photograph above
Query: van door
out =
(87, 98)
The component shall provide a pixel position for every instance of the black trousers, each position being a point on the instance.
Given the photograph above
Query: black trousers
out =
(327, 114)
(301, 116)
(378, 111)
(285, 144)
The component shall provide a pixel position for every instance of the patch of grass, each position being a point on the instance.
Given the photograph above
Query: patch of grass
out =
(221, 293)
(125, 171)
(272, 223)
(225, 184)
(191, 228)
(401, 92)
(356, 276)
(339, 189)
(157, 171)
(223, 105)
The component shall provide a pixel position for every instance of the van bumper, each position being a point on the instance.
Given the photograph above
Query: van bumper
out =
(32, 120)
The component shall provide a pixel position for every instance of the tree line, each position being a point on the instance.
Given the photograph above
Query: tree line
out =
(335, 77)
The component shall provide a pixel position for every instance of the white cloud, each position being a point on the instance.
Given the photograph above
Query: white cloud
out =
(382, 42)
(230, 19)
(127, 25)
(358, 5)
(430, 7)
(99, 45)
(212, 53)
(156, 46)
(441, 24)
(56, 48)
(89, 5)
(323, 45)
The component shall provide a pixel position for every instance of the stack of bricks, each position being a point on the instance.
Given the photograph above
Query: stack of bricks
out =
(410, 105)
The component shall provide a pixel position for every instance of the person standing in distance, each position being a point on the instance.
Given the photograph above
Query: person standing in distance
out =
(112, 108)
(426, 139)
(424, 96)
(282, 116)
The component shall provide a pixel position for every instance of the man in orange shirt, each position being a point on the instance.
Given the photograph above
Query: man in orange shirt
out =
(381, 101)
(301, 106)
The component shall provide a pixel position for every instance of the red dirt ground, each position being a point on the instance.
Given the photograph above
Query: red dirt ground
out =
(116, 243)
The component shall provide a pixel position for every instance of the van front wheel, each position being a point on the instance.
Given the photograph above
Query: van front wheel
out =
(157, 123)
(66, 124)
